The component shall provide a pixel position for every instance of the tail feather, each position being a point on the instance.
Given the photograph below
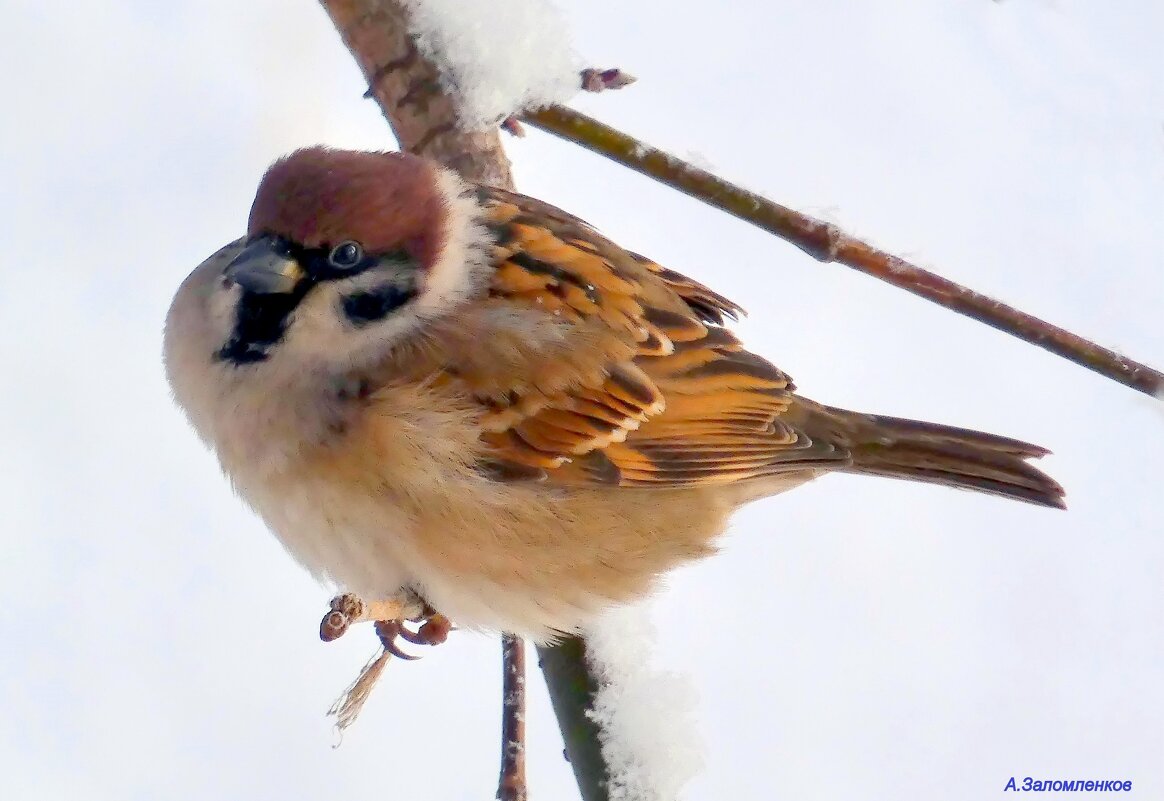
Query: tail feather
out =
(957, 457)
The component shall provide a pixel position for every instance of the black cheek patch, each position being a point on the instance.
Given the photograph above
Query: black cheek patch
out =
(368, 307)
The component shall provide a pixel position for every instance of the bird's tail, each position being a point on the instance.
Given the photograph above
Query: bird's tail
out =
(956, 457)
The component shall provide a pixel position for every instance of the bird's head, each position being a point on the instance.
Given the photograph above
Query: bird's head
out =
(346, 254)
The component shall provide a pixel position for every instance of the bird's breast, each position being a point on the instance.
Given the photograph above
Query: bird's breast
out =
(397, 501)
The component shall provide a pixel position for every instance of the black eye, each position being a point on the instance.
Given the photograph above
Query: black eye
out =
(345, 255)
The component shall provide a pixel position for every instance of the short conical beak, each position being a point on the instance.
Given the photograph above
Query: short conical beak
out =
(265, 268)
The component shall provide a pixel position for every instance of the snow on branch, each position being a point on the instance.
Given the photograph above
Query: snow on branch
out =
(498, 58)
(646, 717)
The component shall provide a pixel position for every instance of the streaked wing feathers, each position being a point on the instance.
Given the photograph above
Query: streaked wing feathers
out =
(677, 399)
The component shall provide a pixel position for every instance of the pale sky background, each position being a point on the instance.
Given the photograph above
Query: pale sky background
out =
(857, 638)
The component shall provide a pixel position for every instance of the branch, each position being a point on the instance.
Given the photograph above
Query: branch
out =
(408, 89)
(572, 686)
(511, 784)
(828, 243)
(423, 117)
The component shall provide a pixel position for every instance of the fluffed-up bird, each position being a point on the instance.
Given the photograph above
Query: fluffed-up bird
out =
(457, 398)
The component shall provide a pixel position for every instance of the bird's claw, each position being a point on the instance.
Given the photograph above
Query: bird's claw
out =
(389, 617)
(433, 631)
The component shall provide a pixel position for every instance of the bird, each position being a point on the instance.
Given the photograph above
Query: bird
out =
(464, 404)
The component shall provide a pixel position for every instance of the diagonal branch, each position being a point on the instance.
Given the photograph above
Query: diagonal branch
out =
(828, 243)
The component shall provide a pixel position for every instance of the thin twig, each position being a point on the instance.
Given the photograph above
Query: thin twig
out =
(511, 784)
(827, 243)
(591, 79)
(596, 80)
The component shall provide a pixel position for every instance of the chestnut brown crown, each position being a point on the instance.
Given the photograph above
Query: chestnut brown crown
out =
(319, 197)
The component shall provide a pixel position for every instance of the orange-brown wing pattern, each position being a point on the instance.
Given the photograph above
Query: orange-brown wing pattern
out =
(653, 392)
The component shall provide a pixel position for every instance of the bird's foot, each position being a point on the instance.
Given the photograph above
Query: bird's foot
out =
(346, 610)
(390, 618)
(434, 630)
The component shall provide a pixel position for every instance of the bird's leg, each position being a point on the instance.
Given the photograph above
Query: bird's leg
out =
(389, 616)
(348, 609)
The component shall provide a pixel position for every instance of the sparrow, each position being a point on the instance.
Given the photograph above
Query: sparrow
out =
(451, 398)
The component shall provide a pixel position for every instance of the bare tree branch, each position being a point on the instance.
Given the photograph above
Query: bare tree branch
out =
(408, 89)
(828, 243)
(423, 116)
(573, 685)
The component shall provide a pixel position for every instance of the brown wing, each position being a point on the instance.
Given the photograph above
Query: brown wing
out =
(651, 392)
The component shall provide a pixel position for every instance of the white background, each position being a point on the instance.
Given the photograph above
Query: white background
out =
(857, 638)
